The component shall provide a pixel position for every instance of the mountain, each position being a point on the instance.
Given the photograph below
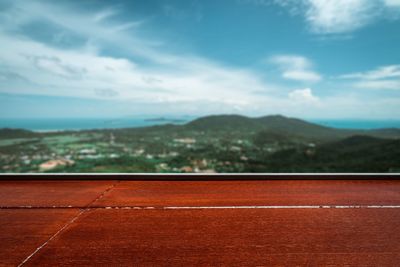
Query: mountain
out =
(282, 127)
(361, 154)
(356, 141)
(266, 129)
(384, 133)
(8, 133)
(353, 154)
(224, 122)
(228, 143)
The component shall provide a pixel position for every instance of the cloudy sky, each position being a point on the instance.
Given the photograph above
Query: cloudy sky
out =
(301, 58)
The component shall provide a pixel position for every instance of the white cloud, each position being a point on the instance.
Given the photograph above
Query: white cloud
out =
(145, 76)
(392, 3)
(379, 84)
(303, 96)
(296, 68)
(293, 61)
(391, 71)
(56, 66)
(106, 92)
(105, 14)
(78, 73)
(164, 77)
(339, 16)
(385, 77)
(301, 75)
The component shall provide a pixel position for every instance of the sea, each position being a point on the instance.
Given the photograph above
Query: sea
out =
(53, 125)
(358, 124)
(50, 125)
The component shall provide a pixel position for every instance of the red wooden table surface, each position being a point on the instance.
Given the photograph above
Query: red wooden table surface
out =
(200, 223)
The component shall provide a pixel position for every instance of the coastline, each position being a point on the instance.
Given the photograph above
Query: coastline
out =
(63, 125)
(69, 124)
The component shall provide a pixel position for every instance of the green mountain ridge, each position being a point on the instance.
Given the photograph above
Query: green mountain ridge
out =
(6, 133)
(279, 124)
(271, 124)
(218, 143)
(353, 154)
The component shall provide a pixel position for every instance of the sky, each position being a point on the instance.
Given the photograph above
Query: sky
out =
(322, 59)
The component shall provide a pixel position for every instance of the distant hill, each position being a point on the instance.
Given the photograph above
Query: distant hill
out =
(352, 154)
(383, 133)
(270, 128)
(8, 133)
(224, 122)
(227, 143)
(162, 119)
(280, 125)
(362, 153)
(356, 141)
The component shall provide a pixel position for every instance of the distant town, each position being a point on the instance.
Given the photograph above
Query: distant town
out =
(213, 144)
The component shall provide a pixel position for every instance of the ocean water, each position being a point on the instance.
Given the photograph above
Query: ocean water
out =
(359, 124)
(84, 124)
(47, 125)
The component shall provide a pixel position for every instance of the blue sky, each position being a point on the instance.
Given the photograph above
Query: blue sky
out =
(300, 58)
